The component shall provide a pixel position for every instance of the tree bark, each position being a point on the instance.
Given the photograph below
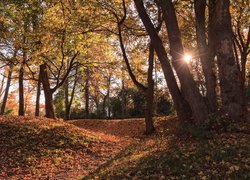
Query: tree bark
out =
(229, 75)
(68, 102)
(6, 91)
(49, 108)
(123, 100)
(150, 93)
(66, 92)
(207, 63)
(86, 94)
(38, 94)
(190, 90)
(181, 106)
(21, 92)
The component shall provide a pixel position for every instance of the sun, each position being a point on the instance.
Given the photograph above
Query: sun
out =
(187, 58)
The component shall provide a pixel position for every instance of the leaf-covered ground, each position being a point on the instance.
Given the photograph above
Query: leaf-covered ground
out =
(32, 148)
(223, 153)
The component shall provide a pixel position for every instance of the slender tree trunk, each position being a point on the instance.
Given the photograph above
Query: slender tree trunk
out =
(150, 93)
(207, 63)
(123, 105)
(86, 93)
(181, 106)
(109, 108)
(38, 93)
(229, 75)
(21, 92)
(104, 105)
(49, 109)
(6, 91)
(66, 91)
(68, 104)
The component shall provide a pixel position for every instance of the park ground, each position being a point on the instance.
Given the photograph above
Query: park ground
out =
(40, 148)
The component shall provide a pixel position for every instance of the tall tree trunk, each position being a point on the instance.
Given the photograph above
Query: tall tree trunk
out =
(6, 91)
(66, 91)
(38, 93)
(181, 106)
(21, 92)
(109, 108)
(68, 103)
(229, 75)
(49, 109)
(189, 88)
(207, 63)
(123, 105)
(86, 93)
(150, 93)
(104, 106)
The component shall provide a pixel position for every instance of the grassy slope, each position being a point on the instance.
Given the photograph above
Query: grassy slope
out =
(195, 153)
(41, 147)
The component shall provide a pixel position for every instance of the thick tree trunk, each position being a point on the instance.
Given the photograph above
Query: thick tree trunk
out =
(229, 75)
(207, 63)
(21, 92)
(49, 109)
(38, 94)
(182, 108)
(189, 88)
(6, 91)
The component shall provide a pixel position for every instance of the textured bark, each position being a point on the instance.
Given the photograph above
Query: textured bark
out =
(182, 108)
(38, 94)
(189, 88)
(207, 63)
(5, 98)
(49, 108)
(229, 75)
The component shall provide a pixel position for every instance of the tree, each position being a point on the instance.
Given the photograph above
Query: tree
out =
(229, 74)
(207, 60)
(180, 103)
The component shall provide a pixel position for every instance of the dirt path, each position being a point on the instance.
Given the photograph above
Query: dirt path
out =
(116, 136)
(113, 130)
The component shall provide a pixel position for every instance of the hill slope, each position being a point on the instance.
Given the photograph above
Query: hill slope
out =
(35, 148)
(39, 147)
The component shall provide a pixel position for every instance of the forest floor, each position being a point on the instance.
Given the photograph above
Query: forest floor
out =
(40, 148)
